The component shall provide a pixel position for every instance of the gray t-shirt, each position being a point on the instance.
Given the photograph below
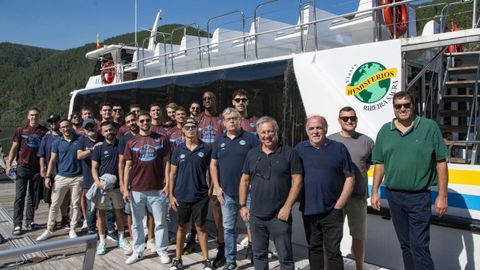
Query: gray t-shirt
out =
(360, 147)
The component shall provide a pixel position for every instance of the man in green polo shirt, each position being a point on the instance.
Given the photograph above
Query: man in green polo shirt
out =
(411, 154)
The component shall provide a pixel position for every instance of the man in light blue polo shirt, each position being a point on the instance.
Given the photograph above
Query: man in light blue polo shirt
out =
(228, 154)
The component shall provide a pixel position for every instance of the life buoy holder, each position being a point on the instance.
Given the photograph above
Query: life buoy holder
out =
(399, 27)
(108, 72)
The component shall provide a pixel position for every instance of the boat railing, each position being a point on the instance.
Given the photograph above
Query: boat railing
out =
(88, 260)
(465, 152)
(248, 44)
(473, 121)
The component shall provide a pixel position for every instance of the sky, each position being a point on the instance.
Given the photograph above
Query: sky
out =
(64, 24)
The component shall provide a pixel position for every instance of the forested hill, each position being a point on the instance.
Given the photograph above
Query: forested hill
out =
(31, 76)
(45, 77)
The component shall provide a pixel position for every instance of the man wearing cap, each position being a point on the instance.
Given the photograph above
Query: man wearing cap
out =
(25, 144)
(44, 153)
(69, 178)
(86, 144)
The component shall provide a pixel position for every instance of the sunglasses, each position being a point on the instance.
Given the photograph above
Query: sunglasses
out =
(117, 110)
(352, 118)
(405, 105)
(190, 127)
(244, 100)
(195, 108)
(145, 121)
(75, 117)
(208, 98)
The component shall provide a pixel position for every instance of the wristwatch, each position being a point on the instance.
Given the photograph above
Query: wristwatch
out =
(242, 205)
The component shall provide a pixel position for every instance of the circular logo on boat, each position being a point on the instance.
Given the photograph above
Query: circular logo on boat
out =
(370, 82)
(201, 154)
(242, 142)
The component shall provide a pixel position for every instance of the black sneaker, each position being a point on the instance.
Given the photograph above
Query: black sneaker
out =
(207, 265)
(176, 265)
(112, 236)
(230, 266)
(65, 222)
(220, 258)
(190, 247)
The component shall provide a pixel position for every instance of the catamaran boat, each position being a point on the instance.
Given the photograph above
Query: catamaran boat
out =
(322, 63)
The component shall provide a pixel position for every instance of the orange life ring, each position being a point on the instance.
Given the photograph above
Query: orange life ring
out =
(401, 17)
(108, 72)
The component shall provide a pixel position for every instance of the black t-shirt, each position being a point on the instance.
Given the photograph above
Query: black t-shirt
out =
(270, 178)
(107, 157)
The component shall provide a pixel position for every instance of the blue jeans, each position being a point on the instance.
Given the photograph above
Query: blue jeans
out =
(156, 201)
(411, 213)
(230, 214)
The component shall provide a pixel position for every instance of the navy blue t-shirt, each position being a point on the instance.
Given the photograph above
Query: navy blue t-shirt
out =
(107, 157)
(230, 154)
(45, 149)
(123, 142)
(270, 178)
(67, 163)
(191, 183)
(324, 175)
(83, 143)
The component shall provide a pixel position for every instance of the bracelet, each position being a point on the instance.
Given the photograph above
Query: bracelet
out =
(242, 205)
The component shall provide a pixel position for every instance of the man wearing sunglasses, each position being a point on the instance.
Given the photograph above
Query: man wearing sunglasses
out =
(411, 154)
(117, 114)
(360, 147)
(146, 168)
(240, 102)
(194, 109)
(328, 177)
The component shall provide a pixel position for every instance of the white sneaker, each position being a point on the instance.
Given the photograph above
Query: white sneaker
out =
(72, 234)
(84, 225)
(134, 258)
(151, 245)
(45, 235)
(164, 258)
(129, 251)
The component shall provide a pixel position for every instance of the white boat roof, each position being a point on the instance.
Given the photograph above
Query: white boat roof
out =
(94, 55)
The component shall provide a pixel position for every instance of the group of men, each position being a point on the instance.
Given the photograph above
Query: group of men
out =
(143, 166)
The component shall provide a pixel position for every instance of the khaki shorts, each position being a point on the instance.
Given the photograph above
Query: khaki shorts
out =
(356, 212)
(116, 197)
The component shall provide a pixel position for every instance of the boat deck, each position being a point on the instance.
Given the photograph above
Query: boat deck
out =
(72, 257)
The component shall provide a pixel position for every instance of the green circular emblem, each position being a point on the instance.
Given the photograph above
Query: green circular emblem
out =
(374, 92)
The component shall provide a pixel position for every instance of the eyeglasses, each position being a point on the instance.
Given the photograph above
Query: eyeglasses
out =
(399, 106)
(145, 121)
(244, 100)
(345, 118)
(190, 127)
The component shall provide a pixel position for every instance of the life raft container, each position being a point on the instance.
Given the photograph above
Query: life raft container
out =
(399, 27)
(108, 72)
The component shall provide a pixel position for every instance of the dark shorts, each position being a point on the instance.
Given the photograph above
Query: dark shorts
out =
(198, 210)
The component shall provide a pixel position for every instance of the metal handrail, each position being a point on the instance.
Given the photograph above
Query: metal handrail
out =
(255, 22)
(88, 260)
(302, 6)
(184, 34)
(474, 109)
(424, 69)
(474, 144)
(243, 30)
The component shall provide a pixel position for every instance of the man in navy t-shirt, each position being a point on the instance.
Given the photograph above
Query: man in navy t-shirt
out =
(69, 178)
(274, 173)
(189, 190)
(228, 154)
(327, 184)
(105, 164)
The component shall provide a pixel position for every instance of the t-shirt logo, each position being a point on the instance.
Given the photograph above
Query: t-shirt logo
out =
(106, 154)
(147, 153)
(182, 157)
(208, 134)
(252, 125)
(32, 141)
(201, 154)
(242, 142)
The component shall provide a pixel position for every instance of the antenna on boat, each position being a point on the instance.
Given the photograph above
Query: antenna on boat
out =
(153, 33)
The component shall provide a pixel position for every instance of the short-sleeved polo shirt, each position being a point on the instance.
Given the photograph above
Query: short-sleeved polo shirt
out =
(122, 142)
(106, 154)
(67, 163)
(230, 154)
(270, 178)
(410, 158)
(45, 149)
(324, 171)
(191, 183)
(83, 143)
